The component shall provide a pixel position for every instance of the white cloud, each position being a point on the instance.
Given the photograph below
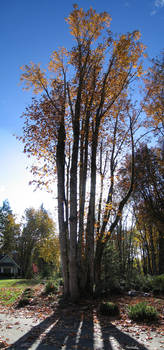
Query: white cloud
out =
(159, 3)
(2, 189)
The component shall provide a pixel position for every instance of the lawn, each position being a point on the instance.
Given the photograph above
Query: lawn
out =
(11, 289)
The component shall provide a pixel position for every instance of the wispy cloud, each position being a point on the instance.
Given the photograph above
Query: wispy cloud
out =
(158, 4)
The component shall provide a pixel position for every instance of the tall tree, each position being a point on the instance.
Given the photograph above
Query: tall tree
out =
(154, 87)
(148, 199)
(149, 191)
(9, 229)
(82, 103)
(154, 107)
(37, 226)
(154, 97)
(147, 236)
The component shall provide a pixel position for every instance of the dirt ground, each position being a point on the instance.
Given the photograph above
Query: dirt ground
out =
(47, 325)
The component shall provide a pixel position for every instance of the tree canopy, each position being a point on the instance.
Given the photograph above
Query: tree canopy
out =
(37, 228)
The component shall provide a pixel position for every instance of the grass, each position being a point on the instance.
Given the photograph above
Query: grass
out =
(20, 283)
(11, 289)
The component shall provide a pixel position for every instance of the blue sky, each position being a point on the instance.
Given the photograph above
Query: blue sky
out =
(30, 31)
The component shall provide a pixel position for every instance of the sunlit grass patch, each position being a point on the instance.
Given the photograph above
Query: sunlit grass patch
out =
(4, 283)
(11, 289)
(9, 295)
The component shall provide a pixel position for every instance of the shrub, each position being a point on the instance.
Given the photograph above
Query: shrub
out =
(28, 293)
(109, 309)
(158, 284)
(141, 282)
(23, 302)
(143, 312)
(51, 287)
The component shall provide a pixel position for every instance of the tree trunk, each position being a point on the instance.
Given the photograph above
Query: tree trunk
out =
(97, 265)
(63, 229)
(161, 252)
(153, 257)
(73, 277)
(149, 268)
(82, 198)
(91, 218)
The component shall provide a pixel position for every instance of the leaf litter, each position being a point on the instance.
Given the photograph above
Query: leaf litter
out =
(42, 306)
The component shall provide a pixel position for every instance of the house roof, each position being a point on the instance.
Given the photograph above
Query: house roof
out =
(1, 256)
(6, 260)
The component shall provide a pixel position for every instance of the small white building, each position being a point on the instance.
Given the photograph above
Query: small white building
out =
(8, 267)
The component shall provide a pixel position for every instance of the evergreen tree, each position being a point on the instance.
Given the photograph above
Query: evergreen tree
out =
(9, 230)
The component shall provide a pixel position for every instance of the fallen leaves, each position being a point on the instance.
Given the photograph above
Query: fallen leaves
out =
(3, 344)
(86, 311)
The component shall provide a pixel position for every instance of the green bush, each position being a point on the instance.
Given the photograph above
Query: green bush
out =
(158, 284)
(110, 278)
(142, 312)
(148, 283)
(51, 287)
(23, 302)
(28, 293)
(109, 309)
(141, 282)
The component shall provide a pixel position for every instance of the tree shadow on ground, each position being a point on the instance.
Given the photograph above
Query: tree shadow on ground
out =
(76, 327)
(114, 338)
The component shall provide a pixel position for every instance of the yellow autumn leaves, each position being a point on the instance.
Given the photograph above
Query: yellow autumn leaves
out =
(87, 25)
(33, 77)
(49, 250)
